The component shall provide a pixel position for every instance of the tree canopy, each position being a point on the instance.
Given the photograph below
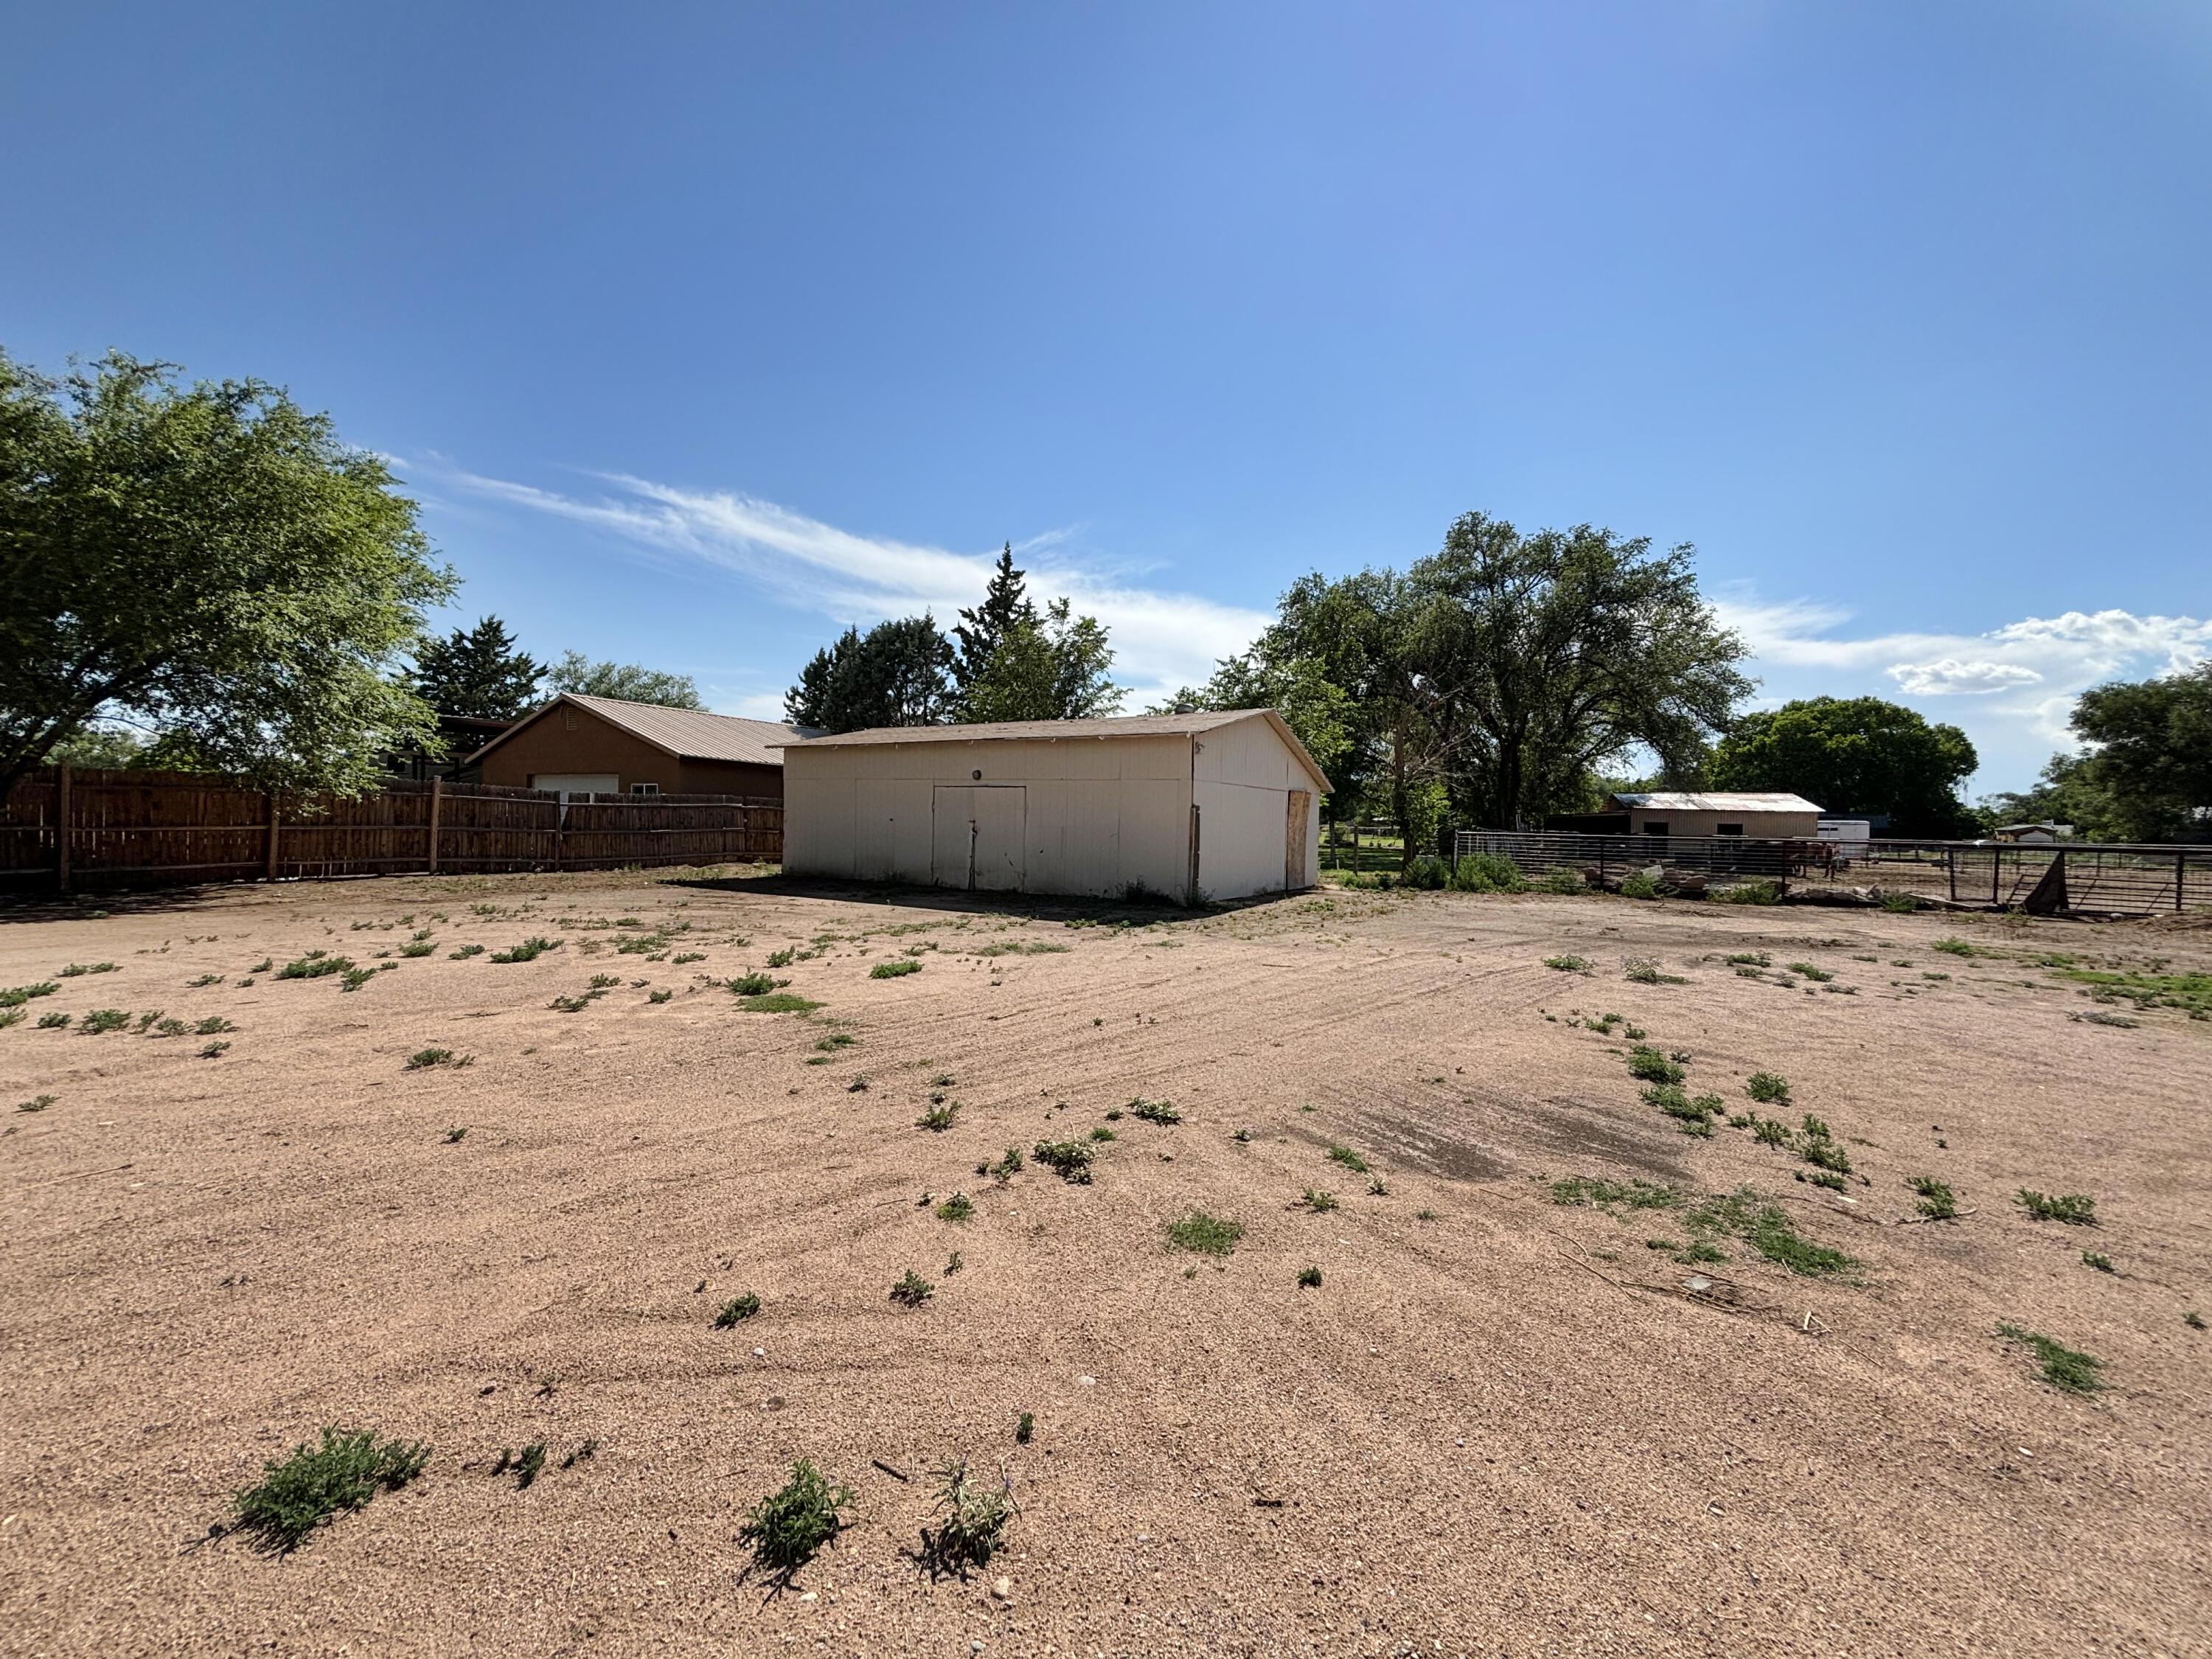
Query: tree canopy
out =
(622, 682)
(2149, 778)
(477, 672)
(211, 563)
(1052, 667)
(896, 674)
(1852, 755)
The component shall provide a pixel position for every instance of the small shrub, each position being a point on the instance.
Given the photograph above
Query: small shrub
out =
(76, 969)
(2062, 1367)
(658, 997)
(1570, 965)
(214, 1051)
(1809, 971)
(457, 1134)
(1937, 1201)
(1644, 970)
(316, 964)
(1207, 1235)
(753, 984)
(1154, 1111)
(529, 950)
(102, 1020)
(1309, 1279)
(1563, 882)
(682, 957)
(1748, 893)
(1639, 885)
(213, 1025)
(1955, 947)
(1349, 1159)
(2075, 1209)
(1069, 1159)
(1768, 1089)
(836, 1040)
(574, 1005)
(1652, 1066)
(1815, 1128)
(1899, 903)
(464, 952)
(939, 1118)
(1103, 1132)
(38, 1104)
(894, 970)
(422, 1059)
(959, 1207)
(913, 1289)
(1492, 872)
(1317, 1201)
(1824, 1154)
(1009, 1163)
(737, 1308)
(53, 1022)
(417, 947)
(355, 978)
(976, 1516)
(2194, 1320)
(2103, 1264)
(1025, 1426)
(15, 996)
(776, 1002)
(785, 1528)
(314, 1483)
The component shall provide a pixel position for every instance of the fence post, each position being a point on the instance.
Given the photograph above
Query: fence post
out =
(1996, 862)
(272, 837)
(2180, 869)
(62, 815)
(1951, 865)
(437, 795)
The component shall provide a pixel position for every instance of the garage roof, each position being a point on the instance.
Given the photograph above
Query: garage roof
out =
(689, 733)
(1126, 726)
(1680, 801)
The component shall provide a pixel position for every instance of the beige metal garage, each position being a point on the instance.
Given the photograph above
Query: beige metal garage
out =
(1210, 805)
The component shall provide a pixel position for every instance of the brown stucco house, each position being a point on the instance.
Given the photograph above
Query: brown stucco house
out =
(596, 745)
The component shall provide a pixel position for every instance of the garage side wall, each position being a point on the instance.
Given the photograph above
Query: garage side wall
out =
(546, 745)
(1098, 815)
(1245, 776)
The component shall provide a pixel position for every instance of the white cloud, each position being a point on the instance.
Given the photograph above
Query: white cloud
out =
(2022, 678)
(1161, 639)
(1942, 679)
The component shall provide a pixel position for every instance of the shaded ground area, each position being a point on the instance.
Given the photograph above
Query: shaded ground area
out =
(1499, 1423)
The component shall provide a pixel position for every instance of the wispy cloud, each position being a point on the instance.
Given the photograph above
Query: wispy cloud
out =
(1162, 640)
(2011, 688)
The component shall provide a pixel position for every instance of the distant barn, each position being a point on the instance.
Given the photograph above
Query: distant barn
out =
(1687, 812)
(583, 745)
(1190, 807)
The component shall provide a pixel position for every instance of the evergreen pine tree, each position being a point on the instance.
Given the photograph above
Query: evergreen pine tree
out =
(980, 632)
(477, 672)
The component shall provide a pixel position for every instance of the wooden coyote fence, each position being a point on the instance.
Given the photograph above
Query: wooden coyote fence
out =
(2090, 878)
(68, 828)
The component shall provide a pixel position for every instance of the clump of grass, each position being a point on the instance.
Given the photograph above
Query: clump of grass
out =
(1349, 1159)
(1809, 971)
(1308, 1279)
(1206, 1234)
(836, 1040)
(316, 964)
(1644, 970)
(737, 1308)
(894, 970)
(214, 1051)
(1593, 1193)
(753, 984)
(529, 950)
(76, 969)
(464, 952)
(15, 995)
(913, 1289)
(1748, 893)
(2194, 1320)
(347, 1469)
(355, 978)
(53, 1022)
(2075, 1209)
(1823, 1154)
(1695, 1114)
(1937, 1201)
(1771, 1132)
(1316, 1199)
(1025, 1426)
(1009, 1163)
(1768, 1088)
(38, 1104)
(939, 1118)
(417, 947)
(777, 1002)
(1102, 1133)
(604, 982)
(659, 997)
(424, 1059)
(1570, 965)
(100, 1020)
(1955, 947)
(787, 1527)
(457, 1134)
(213, 1025)
(1563, 882)
(1639, 886)
(1069, 1159)
(959, 1207)
(1652, 1066)
(582, 1454)
(1154, 1111)
(1899, 903)
(1768, 1231)
(2062, 1367)
(2103, 1264)
(977, 1515)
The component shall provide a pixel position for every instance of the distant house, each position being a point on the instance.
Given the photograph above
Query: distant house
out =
(2046, 830)
(1681, 812)
(583, 745)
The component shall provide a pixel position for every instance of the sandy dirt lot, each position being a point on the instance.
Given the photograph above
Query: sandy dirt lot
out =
(1499, 1424)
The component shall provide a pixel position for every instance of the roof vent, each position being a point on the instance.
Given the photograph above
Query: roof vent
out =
(1186, 708)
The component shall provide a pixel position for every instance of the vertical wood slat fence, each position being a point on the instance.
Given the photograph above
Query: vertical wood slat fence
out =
(68, 828)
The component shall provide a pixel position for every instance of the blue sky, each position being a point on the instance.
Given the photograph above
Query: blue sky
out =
(702, 331)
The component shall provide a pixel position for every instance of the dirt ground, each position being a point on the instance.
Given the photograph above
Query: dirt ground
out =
(1499, 1424)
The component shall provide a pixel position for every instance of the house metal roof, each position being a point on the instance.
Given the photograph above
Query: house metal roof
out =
(1669, 800)
(1126, 725)
(688, 733)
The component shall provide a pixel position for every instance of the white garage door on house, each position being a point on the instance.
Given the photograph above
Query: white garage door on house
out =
(1218, 804)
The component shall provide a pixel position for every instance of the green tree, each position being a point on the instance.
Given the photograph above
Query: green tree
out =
(1049, 668)
(210, 562)
(477, 672)
(979, 633)
(896, 674)
(621, 681)
(2153, 760)
(1555, 655)
(1854, 754)
(2068, 791)
(1314, 706)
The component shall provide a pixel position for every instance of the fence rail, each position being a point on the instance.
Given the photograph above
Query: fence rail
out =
(68, 828)
(2099, 877)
